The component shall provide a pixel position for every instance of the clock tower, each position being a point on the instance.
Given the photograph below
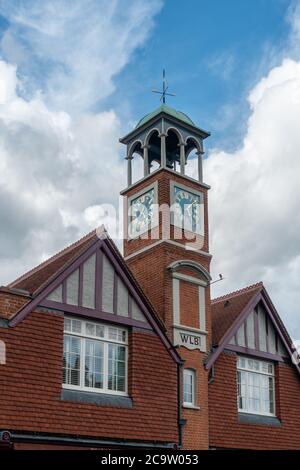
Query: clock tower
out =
(166, 246)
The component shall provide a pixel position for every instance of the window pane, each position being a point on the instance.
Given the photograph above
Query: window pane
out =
(76, 326)
(71, 360)
(93, 364)
(116, 367)
(100, 331)
(67, 324)
(271, 395)
(90, 329)
(188, 387)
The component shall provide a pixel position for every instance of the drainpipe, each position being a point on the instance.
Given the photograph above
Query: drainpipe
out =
(211, 376)
(181, 420)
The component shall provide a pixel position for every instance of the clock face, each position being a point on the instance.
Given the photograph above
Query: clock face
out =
(141, 213)
(188, 210)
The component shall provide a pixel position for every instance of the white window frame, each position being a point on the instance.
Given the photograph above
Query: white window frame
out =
(247, 370)
(190, 373)
(105, 341)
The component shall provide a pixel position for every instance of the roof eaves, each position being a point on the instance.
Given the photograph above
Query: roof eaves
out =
(124, 140)
(237, 293)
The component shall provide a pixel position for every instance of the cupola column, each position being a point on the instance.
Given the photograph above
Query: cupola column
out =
(163, 161)
(182, 158)
(129, 170)
(146, 160)
(200, 166)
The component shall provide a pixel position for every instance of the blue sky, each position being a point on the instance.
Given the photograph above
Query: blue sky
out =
(76, 75)
(213, 52)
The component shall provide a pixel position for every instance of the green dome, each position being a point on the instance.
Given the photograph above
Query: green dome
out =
(171, 111)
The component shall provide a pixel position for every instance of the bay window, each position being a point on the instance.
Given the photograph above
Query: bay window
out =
(256, 386)
(95, 357)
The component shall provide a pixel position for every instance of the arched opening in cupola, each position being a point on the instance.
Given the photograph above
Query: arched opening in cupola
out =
(192, 156)
(154, 146)
(136, 153)
(173, 141)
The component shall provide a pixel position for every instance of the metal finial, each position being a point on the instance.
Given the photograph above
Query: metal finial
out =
(165, 87)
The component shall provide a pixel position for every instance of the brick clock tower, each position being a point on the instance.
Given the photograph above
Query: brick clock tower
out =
(166, 247)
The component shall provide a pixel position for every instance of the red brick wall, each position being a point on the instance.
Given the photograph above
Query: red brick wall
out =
(163, 177)
(195, 433)
(224, 427)
(189, 304)
(151, 270)
(10, 304)
(31, 384)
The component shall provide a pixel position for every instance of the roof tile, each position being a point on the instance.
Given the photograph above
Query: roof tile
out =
(34, 280)
(227, 308)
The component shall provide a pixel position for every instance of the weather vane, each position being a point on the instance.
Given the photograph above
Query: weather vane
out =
(164, 93)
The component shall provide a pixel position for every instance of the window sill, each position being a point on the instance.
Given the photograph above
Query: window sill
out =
(247, 418)
(103, 399)
(191, 407)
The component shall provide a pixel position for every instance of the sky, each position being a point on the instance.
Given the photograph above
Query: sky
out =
(75, 76)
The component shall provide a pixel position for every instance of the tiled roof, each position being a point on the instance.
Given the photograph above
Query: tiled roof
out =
(227, 308)
(34, 280)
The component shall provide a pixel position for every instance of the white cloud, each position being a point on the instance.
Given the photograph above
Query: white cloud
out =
(59, 157)
(255, 196)
(72, 50)
(222, 64)
(53, 168)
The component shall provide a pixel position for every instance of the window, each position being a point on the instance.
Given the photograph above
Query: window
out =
(189, 387)
(256, 391)
(95, 357)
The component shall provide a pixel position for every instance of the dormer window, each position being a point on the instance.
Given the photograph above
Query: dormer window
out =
(95, 357)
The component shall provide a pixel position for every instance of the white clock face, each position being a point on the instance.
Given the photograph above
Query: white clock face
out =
(141, 213)
(188, 210)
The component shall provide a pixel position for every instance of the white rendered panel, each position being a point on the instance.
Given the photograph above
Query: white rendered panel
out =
(73, 288)
(136, 312)
(241, 336)
(250, 331)
(108, 286)
(88, 288)
(122, 303)
(262, 332)
(56, 295)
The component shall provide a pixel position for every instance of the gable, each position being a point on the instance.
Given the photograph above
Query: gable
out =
(257, 334)
(98, 284)
(225, 312)
(247, 322)
(95, 284)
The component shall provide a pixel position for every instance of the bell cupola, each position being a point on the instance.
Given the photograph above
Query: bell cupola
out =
(164, 138)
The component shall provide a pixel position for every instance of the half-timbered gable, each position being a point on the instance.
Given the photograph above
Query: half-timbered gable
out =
(254, 374)
(88, 362)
